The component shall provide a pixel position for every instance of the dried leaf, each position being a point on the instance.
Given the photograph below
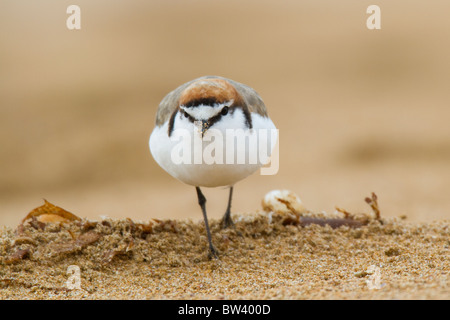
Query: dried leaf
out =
(17, 256)
(37, 224)
(24, 240)
(51, 213)
(87, 238)
(75, 245)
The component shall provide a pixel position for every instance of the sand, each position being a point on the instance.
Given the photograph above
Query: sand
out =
(266, 256)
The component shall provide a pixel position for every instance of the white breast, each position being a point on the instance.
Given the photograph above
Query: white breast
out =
(215, 160)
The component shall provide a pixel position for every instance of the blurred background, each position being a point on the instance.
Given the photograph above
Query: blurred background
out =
(358, 110)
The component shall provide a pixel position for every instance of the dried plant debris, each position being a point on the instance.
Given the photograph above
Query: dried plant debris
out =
(37, 239)
(289, 206)
(74, 245)
(28, 242)
(121, 250)
(17, 256)
(50, 213)
(279, 254)
(69, 234)
(53, 238)
(373, 202)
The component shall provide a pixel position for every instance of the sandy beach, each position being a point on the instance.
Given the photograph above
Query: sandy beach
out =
(268, 255)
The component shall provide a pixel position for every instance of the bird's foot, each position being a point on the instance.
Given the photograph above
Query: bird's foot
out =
(213, 253)
(227, 222)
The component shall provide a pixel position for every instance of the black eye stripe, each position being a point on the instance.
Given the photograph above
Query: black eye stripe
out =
(225, 110)
(202, 101)
(212, 120)
(187, 115)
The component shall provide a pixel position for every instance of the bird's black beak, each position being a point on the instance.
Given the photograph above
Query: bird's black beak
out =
(204, 127)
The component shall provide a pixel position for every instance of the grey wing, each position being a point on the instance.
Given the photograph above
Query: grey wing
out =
(169, 104)
(254, 101)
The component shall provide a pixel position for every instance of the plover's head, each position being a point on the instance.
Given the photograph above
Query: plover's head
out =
(211, 102)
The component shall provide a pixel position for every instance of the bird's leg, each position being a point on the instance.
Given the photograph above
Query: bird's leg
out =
(226, 220)
(202, 201)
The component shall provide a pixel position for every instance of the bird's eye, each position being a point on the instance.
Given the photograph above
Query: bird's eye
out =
(186, 114)
(224, 111)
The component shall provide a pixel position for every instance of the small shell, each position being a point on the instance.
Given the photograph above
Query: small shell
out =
(283, 201)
